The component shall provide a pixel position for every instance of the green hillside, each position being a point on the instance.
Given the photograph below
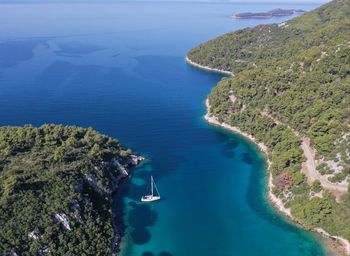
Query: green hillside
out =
(291, 83)
(55, 187)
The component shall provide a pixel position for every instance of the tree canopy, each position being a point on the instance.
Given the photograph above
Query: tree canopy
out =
(56, 174)
(292, 81)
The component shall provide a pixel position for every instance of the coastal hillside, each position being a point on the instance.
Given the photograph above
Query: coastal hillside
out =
(55, 190)
(290, 90)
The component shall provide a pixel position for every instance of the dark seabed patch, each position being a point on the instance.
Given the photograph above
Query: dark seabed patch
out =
(248, 158)
(148, 254)
(14, 52)
(228, 150)
(76, 48)
(164, 254)
(56, 73)
(141, 216)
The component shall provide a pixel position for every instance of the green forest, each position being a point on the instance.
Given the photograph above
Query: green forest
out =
(292, 81)
(55, 187)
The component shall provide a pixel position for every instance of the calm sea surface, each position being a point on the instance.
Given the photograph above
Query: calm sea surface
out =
(120, 68)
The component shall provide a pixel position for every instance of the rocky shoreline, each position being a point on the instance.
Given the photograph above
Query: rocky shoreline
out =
(335, 243)
(133, 161)
(275, 200)
(342, 246)
(208, 68)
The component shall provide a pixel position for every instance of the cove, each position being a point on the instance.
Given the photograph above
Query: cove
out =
(119, 67)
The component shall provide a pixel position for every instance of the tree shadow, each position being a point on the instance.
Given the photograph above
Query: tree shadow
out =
(32, 186)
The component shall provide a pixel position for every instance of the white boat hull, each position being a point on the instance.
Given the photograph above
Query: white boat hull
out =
(150, 198)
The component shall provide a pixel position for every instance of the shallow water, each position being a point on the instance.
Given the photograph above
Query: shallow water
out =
(120, 68)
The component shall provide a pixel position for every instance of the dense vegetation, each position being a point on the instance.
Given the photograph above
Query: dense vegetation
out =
(53, 174)
(292, 81)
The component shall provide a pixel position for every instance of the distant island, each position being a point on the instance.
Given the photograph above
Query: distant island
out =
(266, 15)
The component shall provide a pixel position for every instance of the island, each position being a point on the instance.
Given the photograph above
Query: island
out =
(56, 187)
(289, 92)
(266, 15)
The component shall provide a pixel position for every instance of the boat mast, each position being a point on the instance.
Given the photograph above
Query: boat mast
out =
(152, 185)
(155, 186)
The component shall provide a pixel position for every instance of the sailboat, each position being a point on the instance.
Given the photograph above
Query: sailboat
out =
(151, 197)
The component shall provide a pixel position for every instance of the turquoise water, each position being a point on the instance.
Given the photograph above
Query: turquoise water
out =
(120, 68)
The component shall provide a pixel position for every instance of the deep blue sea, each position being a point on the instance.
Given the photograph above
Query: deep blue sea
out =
(120, 68)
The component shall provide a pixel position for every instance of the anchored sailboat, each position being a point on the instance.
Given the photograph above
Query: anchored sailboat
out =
(151, 197)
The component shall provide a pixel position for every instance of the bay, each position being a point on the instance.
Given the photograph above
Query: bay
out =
(120, 68)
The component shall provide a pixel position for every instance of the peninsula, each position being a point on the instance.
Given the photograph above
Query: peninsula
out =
(267, 15)
(290, 93)
(56, 188)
